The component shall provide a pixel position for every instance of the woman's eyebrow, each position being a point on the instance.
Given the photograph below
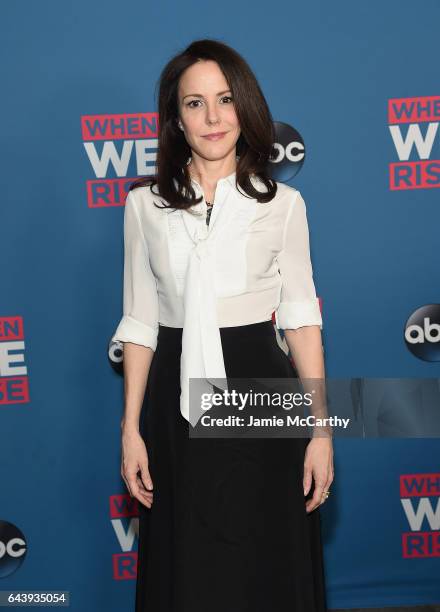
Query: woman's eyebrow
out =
(200, 95)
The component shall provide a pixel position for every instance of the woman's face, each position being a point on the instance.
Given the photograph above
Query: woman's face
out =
(206, 107)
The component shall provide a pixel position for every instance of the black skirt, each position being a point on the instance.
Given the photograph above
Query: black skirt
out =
(227, 530)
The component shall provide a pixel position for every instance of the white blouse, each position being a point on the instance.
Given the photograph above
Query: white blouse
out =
(251, 260)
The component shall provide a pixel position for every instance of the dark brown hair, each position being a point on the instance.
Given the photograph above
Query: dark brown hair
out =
(254, 145)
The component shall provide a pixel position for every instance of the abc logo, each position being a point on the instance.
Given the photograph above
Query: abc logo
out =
(12, 548)
(288, 152)
(115, 353)
(422, 332)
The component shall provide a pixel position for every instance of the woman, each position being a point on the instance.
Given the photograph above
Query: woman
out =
(228, 524)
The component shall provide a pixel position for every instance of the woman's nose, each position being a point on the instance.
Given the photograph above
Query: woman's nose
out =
(212, 115)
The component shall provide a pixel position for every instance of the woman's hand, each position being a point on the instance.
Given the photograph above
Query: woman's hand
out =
(318, 464)
(135, 459)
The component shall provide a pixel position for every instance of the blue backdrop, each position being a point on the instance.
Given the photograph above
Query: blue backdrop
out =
(329, 70)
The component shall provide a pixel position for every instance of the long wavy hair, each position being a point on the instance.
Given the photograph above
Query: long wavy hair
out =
(254, 145)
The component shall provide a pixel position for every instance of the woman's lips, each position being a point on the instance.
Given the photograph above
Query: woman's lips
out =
(215, 136)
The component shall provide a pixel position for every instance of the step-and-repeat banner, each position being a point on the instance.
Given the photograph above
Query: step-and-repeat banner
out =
(354, 89)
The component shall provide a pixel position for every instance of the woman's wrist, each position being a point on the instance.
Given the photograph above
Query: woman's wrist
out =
(128, 426)
(322, 432)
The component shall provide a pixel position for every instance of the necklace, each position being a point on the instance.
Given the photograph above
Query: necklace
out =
(208, 212)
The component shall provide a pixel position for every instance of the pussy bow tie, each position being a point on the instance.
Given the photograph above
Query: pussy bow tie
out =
(202, 352)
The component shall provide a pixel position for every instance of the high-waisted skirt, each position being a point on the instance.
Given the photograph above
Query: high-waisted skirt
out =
(228, 530)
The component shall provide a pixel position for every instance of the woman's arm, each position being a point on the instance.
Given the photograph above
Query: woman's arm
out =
(137, 361)
(138, 328)
(299, 316)
(298, 313)
(137, 331)
(134, 454)
(305, 344)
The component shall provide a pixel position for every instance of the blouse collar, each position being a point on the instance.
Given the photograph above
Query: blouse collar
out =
(230, 179)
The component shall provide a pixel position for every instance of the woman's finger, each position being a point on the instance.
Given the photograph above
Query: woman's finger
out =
(145, 477)
(142, 488)
(144, 498)
(313, 503)
(131, 478)
(328, 484)
(307, 479)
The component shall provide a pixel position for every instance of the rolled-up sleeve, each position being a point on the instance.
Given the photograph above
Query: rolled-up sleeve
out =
(299, 305)
(139, 323)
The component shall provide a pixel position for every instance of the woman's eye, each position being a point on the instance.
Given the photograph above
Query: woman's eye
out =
(194, 103)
